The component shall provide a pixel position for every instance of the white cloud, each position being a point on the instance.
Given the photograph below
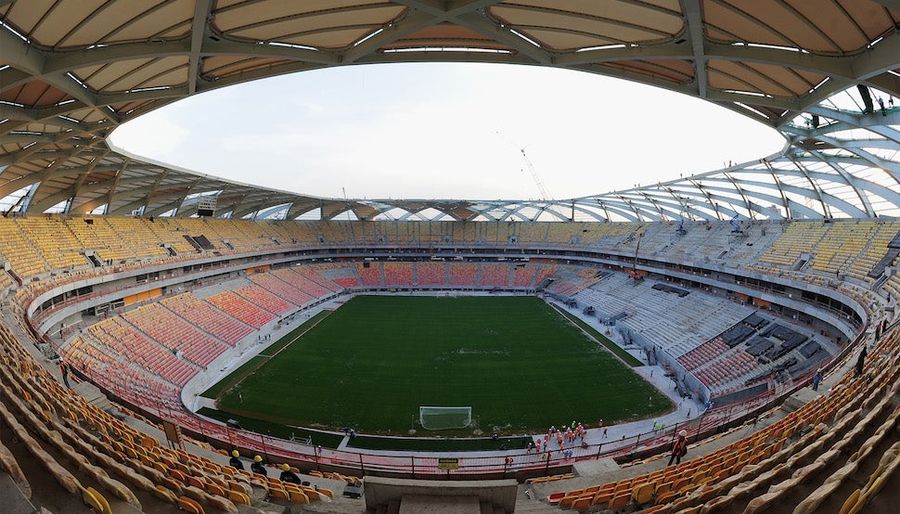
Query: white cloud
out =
(156, 135)
(430, 131)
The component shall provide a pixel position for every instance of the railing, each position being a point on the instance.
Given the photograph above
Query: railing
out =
(424, 465)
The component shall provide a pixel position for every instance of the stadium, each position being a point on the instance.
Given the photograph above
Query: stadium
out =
(724, 341)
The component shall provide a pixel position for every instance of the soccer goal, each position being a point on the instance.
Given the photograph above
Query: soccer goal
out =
(445, 418)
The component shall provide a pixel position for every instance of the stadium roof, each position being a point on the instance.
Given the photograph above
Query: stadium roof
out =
(73, 70)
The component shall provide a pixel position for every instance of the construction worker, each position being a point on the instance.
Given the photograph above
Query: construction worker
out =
(860, 362)
(235, 460)
(289, 476)
(257, 466)
(679, 448)
(64, 369)
(817, 379)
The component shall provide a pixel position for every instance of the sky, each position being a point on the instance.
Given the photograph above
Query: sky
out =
(446, 131)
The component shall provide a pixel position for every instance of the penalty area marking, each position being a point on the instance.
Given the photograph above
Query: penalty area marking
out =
(590, 336)
(264, 358)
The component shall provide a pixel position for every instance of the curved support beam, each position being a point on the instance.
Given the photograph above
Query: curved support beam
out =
(756, 208)
(593, 214)
(159, 211)
(666, 211)
(16, 184)
(625, 213)
(869, 211)
(679, 206)
(826, 198)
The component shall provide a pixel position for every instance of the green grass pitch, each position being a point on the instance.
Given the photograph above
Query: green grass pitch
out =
(520, 365)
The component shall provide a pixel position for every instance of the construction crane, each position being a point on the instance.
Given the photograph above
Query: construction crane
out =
(634, 273)
(545, 195)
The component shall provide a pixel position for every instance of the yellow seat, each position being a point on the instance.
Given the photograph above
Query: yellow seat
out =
(643, 493)
(311, 494)
(299, 498)
(165, 494)
(666, 497)
(663, 487)
(93, 499)
(850, 502)
(679, 484)
(238, 497)
(278, 493)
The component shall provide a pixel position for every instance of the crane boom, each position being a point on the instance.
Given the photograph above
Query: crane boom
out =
(545, 195)
(633, 272)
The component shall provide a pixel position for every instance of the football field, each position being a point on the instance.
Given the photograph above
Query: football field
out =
(374, 361)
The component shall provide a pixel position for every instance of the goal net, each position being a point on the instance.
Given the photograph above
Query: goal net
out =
(445, 418)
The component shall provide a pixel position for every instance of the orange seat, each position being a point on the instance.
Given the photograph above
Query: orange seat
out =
(298, 497)
(582, 503)
(601, 499)
(196, 482)
(189, 505)
(172, 484)
(619, 502)
(216, 490)
(567, 502)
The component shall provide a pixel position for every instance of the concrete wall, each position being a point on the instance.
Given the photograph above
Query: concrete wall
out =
(500, 493)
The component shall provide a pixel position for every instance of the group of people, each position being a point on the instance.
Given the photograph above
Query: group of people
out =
(257, 467)
(563, 437)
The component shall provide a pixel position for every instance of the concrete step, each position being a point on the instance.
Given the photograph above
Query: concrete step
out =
(337, 506)
(393, 507)
(534, 507)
